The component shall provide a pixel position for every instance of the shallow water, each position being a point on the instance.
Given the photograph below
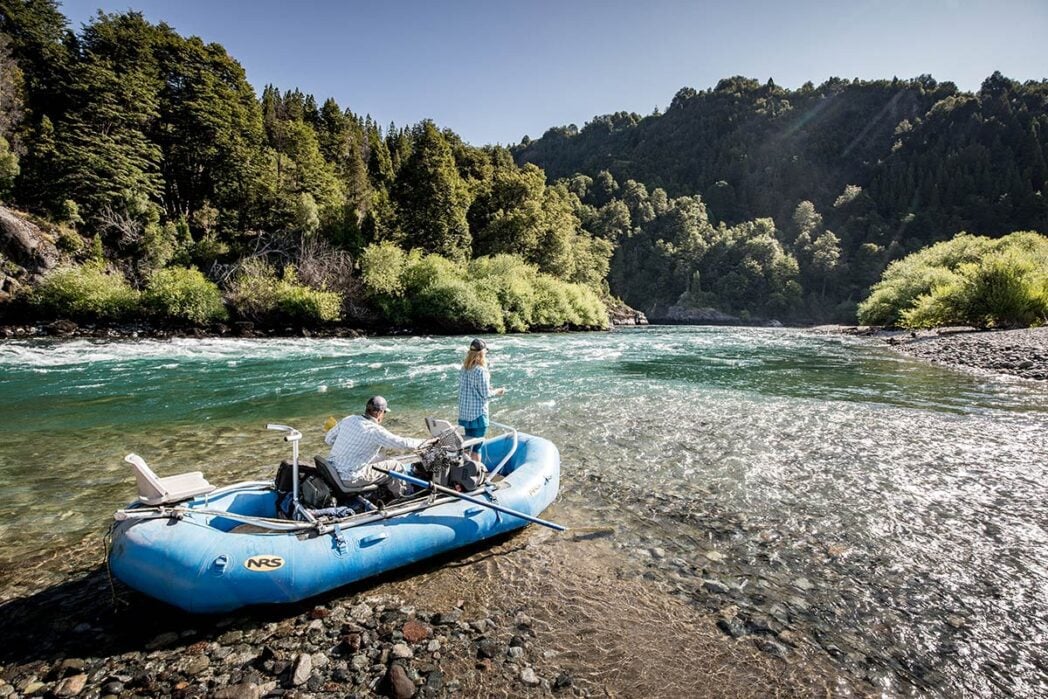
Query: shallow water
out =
(894, 512)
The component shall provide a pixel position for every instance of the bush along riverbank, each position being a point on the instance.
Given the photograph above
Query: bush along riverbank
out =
(941, 296)
(323, 290)
(969, 280)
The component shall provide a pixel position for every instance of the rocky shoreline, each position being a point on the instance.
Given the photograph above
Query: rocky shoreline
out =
(63, 328)
(1022, 353)
(67, 329)
(687, 315)
(362, 645)
(534, 615)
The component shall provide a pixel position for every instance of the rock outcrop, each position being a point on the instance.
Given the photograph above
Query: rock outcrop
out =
(27, 249)
(621, 314)
(686, 314)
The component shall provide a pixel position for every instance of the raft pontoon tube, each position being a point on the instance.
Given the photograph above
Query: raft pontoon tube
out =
(225, 548)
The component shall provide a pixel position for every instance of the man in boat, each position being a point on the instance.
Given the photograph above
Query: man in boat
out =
(357, 443)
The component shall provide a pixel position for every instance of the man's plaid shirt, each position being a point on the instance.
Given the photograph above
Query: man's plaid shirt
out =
(474, 392)
(357, 440)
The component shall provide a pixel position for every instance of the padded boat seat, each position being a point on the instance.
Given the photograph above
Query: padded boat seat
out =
(154, 490)
(330, 474)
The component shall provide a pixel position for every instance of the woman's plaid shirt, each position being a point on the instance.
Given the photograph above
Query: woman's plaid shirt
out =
(474, 392)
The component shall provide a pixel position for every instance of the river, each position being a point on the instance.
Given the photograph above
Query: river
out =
(891, 513)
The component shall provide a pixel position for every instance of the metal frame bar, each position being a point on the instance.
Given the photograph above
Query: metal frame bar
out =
(432, 499)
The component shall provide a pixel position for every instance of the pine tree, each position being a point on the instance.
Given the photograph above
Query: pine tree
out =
(380, 166)
(272, 108)
(399, 143)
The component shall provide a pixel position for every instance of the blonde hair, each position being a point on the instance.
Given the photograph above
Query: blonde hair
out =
(474, 358)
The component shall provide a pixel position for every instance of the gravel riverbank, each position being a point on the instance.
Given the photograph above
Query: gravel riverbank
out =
(533, 615)
(1022, 353)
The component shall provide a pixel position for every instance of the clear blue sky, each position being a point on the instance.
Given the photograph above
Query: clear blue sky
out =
(494, 70)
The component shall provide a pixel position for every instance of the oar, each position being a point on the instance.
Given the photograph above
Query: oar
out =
(468, 498)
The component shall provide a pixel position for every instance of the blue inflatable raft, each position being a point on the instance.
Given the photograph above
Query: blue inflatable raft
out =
(224, 549)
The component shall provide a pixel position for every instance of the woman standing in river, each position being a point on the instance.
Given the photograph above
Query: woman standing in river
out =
(475, 390)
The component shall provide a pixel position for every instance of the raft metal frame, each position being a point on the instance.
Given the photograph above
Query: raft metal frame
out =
(282, 526)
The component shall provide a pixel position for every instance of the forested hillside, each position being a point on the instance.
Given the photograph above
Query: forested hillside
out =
(170, 189)
(173, 189)
(804, 195)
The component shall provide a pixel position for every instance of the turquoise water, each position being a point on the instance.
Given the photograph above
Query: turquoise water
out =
(926, 484)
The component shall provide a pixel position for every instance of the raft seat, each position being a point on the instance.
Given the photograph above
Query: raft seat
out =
(154, 490)
(342, 491)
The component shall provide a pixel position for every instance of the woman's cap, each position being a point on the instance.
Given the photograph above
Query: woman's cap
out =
(478, 345)
(377, 403)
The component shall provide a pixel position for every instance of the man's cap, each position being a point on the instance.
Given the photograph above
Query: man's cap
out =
(377, 403)
(478, 345)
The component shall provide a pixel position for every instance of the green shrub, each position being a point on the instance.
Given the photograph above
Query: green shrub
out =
(86, 291)
(498, 293)
(258, 295)
(900, 287)
(589, 310)
(454, 303)
(98, 253)
(382, 268)
(970, 280)
(560, 304)
(69, 213)
(253, 292)
(552, 306)
(423, 272)
(916, 275)
(184, 294)
(159, 244)
(510, 280)
(1006, 289)
(502, 265)
(937, 308)
(300, 302)
(208, 249)
(515, 297)
(441, 296)
(69, 240)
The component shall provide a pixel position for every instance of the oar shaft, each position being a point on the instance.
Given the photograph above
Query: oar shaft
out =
(469, 498)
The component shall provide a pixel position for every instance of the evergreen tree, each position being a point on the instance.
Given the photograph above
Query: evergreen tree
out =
(11, 91)
(210, 128)
(399, 143)
(41, 45)
(103, 153)
(431, 198)
(379, 163)
(304, 170)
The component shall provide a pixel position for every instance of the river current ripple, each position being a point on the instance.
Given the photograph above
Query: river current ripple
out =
(891, 513)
